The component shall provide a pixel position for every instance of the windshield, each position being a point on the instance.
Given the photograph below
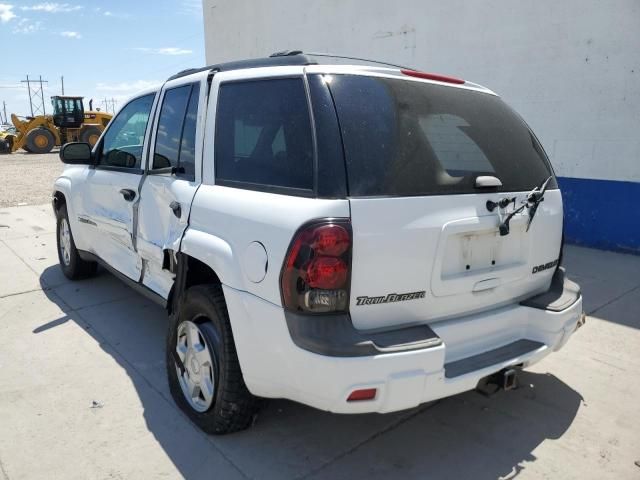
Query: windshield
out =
(404, 137)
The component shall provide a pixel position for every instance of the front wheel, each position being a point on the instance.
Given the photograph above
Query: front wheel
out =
(71, 264)
(40, 140)
(202, 365)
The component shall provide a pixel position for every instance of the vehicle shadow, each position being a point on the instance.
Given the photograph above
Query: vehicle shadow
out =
(466, 436)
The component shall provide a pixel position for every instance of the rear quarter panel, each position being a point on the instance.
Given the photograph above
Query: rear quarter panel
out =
(225, 221)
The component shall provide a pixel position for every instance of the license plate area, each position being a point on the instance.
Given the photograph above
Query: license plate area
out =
(473, 256)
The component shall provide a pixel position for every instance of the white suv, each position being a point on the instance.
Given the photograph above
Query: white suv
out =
(353, 237)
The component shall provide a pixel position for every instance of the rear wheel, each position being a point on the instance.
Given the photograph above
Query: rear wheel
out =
(9, 141)
(71, 264)
(90, 135)
(40, 140)
(202, 365)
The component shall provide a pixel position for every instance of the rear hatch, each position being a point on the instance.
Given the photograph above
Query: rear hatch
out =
(426, 247)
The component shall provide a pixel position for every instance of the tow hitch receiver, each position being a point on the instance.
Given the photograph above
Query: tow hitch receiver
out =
(506, 379)
(509, 379)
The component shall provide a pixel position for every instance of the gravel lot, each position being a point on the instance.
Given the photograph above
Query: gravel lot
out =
(28, 178)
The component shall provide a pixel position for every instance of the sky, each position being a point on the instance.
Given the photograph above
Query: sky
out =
(104, 49)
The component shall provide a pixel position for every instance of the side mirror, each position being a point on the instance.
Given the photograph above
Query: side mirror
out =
(76, 153)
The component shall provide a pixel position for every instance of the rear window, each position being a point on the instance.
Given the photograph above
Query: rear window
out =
(406, 137)
(263, 135)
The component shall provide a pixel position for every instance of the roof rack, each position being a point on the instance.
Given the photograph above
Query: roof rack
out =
(346, 57)
(277, 59)
(295, 58)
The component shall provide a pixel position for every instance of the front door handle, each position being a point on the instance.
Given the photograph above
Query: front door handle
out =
(176, 208)
(128, 194)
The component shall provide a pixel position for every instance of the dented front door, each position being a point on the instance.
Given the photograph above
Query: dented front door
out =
(109, 203)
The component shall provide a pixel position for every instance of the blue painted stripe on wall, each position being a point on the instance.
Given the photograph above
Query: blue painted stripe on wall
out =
(602, 214)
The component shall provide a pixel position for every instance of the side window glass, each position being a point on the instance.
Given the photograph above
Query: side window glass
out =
(188, 145)
(263, 135)
(122, 143)
(175, 137)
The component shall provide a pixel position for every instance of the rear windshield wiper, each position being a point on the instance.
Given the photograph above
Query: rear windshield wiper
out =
(534, 197)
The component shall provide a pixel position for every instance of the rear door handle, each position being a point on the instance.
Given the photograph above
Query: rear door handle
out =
(176, 208)
(487, 284)
(128, 194)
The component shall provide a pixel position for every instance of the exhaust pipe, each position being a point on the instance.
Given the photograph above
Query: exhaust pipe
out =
(506, 379)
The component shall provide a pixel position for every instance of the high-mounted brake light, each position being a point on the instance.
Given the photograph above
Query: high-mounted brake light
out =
(316, 272)
(432, 76)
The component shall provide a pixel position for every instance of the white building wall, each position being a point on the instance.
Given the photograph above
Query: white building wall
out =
(570, 67)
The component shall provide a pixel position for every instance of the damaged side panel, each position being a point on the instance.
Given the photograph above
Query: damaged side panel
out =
(172, 178)
(160, 227)
(107, 219)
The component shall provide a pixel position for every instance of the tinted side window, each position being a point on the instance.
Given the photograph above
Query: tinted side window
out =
(171, 125)
(263, 135)
(187, 157)
(122, 143)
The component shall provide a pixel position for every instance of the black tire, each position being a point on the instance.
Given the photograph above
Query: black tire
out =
(233, 407)
(40, 140)
(75, 268)
(87, 133)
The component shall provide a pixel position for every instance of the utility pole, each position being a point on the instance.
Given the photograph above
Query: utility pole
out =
(36, 105)
(109, 105)
(62, 80)
(42, 95)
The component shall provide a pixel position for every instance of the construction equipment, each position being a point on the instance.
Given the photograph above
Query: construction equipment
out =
(7, 134)
(69, 123)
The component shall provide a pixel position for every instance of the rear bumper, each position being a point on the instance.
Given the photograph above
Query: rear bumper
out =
(470, 349)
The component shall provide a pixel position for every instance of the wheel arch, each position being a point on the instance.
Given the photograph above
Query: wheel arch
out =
(213, 251)
(62, 195)
(58, 200)
(190, 271)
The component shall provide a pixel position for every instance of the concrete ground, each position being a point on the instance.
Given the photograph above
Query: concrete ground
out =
(83, 392)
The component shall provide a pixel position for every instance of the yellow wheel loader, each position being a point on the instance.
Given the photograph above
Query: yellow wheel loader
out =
(69, 123)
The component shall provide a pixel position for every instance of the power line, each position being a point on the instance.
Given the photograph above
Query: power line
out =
(36, 104)
(110, 105)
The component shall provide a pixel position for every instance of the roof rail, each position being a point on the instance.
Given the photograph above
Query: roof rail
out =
(346, 57)
(282, 58)
(294, 58)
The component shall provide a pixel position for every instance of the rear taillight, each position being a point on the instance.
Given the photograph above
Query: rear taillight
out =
(316, 274)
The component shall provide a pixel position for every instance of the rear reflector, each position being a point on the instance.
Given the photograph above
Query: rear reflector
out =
(364, 394)
(432, 76)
